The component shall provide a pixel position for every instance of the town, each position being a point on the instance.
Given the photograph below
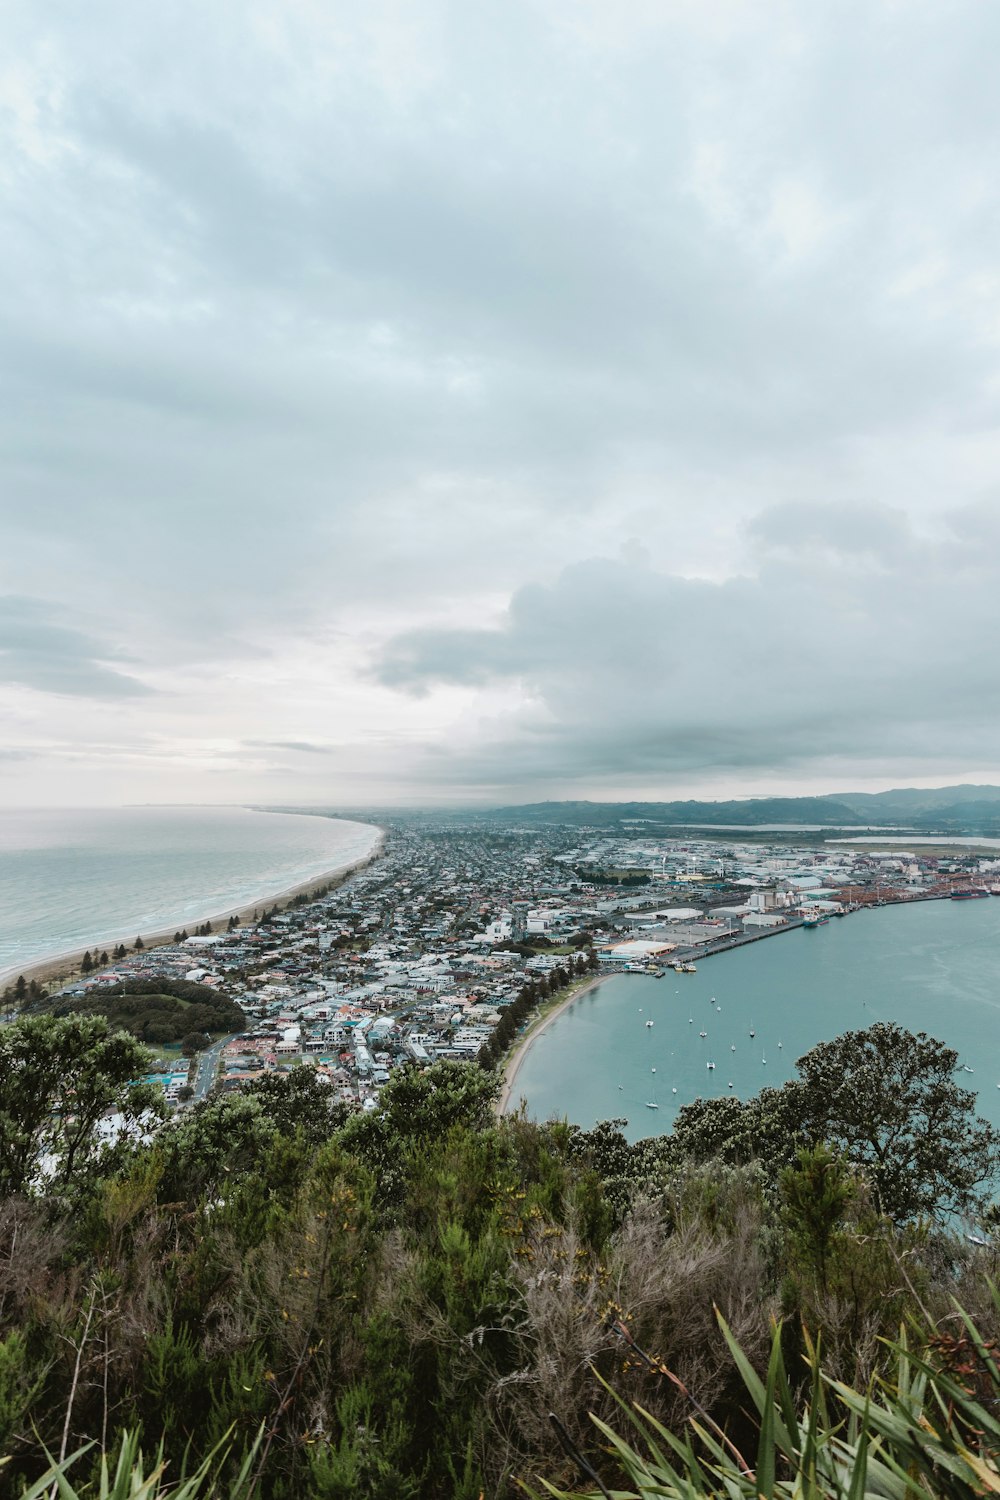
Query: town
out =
(416, 957)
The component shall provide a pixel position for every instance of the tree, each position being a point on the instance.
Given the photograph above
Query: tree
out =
(87, 963)
(817, 1193)
(20, 989)
(139, 945)
(194, 1042)
(213, 1148)
(427, 1103)
(888, 1100)
(885, 1099)
(766, 1128)
(299, 1100)
(58, 1077)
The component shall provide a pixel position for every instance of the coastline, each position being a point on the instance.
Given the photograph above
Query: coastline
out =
(538, 1028)
(61, 968)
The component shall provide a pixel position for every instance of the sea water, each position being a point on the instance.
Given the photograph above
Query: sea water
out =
(931, 966)
(70, 880)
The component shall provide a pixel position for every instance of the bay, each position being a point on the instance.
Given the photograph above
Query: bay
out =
(72, 879)
(931, 966)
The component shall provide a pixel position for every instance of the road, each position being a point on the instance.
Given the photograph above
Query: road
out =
(208, 1066)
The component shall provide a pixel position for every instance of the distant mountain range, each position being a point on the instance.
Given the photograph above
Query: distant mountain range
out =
(948, 809)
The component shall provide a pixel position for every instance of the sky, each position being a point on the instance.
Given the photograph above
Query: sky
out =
(403, 401)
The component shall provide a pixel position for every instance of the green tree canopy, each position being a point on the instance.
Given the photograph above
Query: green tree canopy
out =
(59, 1075)
(888, 1099)
(885, 1099)
(299, 1101)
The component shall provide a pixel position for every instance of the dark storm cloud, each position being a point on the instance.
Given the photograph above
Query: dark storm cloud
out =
(850, 640)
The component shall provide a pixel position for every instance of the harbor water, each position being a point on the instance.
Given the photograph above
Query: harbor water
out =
(932, 966)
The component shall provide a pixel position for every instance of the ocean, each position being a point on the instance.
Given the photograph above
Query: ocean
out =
(76, 879)
(932, 966)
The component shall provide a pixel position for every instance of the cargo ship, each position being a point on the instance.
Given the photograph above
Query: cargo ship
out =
(975, 893)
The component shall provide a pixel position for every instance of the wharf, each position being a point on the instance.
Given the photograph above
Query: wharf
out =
(723, 945)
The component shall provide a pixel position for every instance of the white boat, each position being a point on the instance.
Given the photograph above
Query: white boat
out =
(651, 1105)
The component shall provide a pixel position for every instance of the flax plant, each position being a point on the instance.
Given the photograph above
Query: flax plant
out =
(930, 1428)
(127, 1479)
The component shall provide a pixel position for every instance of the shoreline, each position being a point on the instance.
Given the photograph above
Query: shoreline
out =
(61, 968)
(538, 1028)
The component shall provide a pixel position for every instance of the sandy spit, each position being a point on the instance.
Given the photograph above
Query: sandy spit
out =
(64, 967)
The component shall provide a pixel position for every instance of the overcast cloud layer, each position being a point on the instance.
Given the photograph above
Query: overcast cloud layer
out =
(405, 401)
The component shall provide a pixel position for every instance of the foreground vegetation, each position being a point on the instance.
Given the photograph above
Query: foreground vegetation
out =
(271, 1299)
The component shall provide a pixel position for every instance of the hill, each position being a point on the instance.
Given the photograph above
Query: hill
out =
(951, 809)
(154, 1010)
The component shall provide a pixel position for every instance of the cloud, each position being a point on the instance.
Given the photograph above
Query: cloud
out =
(852, 639)
(57, 658)
(303, 747)
(324, 325)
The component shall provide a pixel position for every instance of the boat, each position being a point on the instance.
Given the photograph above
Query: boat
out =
(703, 1033)
(733, 1047)
(688, 969)
(710, 1066)
(649, 1023)
(753, 1033)
(651, 1105)
(974, 893)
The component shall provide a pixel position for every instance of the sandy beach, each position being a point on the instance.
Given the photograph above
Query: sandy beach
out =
(61, 968)
(538, 1028)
